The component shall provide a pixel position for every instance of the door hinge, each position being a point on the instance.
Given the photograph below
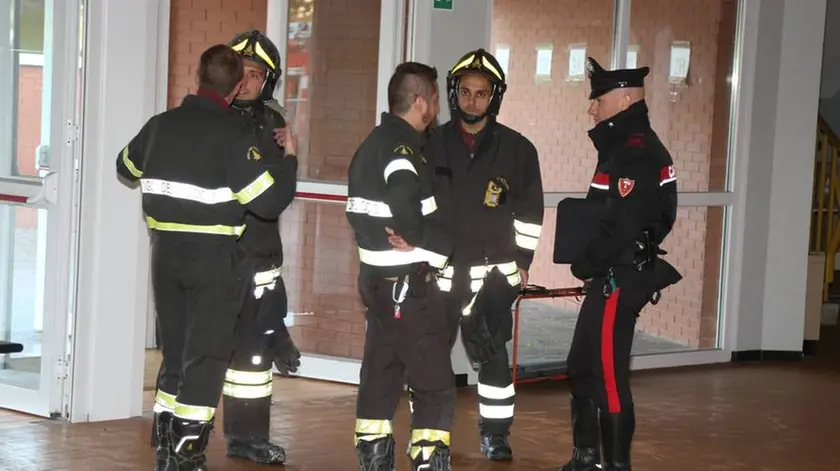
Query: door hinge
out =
(61, 368)
(73, 133)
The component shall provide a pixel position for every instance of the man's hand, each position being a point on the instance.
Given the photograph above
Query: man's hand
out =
(523, 275)
(284, 137)
(397, 242)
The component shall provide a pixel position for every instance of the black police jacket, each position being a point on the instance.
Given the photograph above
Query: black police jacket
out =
(492, 201)
(262, 239)
(200, 169)
(389, 185)
(635, 178)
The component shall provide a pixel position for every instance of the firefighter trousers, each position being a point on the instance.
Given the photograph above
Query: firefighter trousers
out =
(496, 392)
(411, 344)
(248, 379)
(599, 358)
(198, 290)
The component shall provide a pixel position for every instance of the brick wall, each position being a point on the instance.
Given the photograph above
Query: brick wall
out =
(28, 134)
(338, 111)
(196, 25)
(691, 120)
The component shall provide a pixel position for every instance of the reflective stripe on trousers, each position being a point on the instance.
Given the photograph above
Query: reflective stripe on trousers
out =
(247, 384)
(496, 403)
(477, 275)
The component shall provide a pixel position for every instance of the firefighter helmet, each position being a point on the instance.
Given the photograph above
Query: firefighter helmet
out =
(482, 62)
(256, 46)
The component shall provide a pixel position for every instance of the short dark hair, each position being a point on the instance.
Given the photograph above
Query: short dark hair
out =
(220, 69)
(410, 80)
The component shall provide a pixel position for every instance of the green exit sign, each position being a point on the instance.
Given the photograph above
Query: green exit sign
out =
(443, 4)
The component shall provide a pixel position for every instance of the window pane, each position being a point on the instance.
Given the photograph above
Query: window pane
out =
(689, 99)
(22, 271)
(320, 268)
(21, 87)
(330, 82)
(544, 44)
(686, 317)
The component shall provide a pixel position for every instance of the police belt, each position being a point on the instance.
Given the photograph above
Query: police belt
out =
(578, 223)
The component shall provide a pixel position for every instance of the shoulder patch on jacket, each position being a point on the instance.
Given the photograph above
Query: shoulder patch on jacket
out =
(403, 149)
(253, 154)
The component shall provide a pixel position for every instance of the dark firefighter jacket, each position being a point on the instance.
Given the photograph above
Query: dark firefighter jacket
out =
(390, 186)
(199, 169)
(491, 196)
(262, 239)
(635, 177)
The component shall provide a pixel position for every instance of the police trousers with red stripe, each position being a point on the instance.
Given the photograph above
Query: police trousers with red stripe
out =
(599, 363)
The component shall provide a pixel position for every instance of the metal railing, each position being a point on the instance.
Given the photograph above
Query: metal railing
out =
(825, 213)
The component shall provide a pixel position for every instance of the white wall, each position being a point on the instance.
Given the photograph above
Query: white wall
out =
(113, 271)
(783, 77)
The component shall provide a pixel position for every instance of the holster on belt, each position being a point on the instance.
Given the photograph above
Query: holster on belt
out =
(417, 280)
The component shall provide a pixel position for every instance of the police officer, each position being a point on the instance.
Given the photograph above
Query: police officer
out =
(199, 169)
(488, 182)
(390, 192)
(262, 335)
(634, 189)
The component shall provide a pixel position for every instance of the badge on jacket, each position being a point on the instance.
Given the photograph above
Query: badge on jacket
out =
(496, 192)
(253, 154)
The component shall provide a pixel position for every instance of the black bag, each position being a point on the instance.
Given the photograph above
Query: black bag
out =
(577, 223)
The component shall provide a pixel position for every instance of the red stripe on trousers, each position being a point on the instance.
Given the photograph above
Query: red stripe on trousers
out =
(608, 352)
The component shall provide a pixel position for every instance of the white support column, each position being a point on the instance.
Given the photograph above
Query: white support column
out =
(780, 84)
(621, 34)
(114, 254)
(439, 38)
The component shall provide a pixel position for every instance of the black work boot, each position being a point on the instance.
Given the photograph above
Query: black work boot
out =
(439, 460)
(376, 455)
(160, 437)
(260, 451)
(496, 447)
(617, 434)
(586, 451)
(187, 443)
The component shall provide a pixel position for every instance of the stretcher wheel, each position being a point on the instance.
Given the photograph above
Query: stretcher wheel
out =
(537, 292)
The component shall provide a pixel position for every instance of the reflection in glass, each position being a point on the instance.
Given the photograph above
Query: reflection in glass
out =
(320, 268)
(332, 61)
(21, 280)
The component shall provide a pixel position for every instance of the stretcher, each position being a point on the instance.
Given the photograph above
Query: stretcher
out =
(538, 292)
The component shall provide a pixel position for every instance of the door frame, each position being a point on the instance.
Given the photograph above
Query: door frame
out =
(58, 191)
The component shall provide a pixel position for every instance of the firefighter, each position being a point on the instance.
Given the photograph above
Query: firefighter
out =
(199, 169)
(390, 193)
(634, 192)
(488, 183)
(262, 335)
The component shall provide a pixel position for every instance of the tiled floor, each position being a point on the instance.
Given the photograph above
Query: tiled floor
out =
(767, 417)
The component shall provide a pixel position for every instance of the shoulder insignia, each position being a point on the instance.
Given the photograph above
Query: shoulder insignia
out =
(635, 140)
(625, 186)
(667, 174)
(253, 153)
(403, 149)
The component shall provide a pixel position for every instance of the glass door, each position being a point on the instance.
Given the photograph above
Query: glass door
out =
(41, 78)
(322, 67)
